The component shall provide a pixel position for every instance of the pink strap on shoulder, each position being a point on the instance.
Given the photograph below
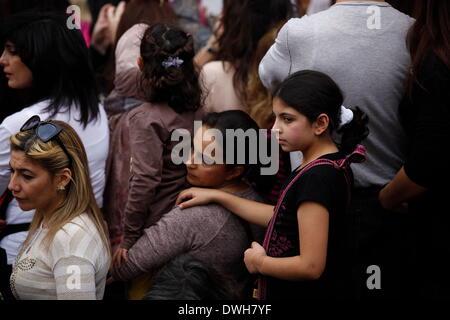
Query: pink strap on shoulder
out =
(357, 156)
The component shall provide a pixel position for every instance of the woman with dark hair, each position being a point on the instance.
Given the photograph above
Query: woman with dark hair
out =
(50, 61)
(422, 182)
(13, 101)
(169, 83)
(241, 26)
(209, 233)
(305, 252)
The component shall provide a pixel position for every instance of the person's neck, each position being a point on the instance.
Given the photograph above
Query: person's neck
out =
(234, 186)
(48, 211)
(319, 149)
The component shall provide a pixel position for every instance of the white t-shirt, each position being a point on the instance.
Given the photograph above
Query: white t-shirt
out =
(95, 138)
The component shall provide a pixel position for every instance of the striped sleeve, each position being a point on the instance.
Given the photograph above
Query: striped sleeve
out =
(75, 279)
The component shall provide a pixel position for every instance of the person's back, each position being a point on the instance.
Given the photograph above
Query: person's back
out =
(209, 233)
(368, 61)
(362, 47)
(220, 94)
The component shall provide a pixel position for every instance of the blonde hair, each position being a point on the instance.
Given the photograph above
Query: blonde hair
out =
(79, 197)
(258, 99)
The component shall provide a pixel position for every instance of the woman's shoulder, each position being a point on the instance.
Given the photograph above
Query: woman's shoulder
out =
(249, 194)
(77, 230)
(324, 173)
(218, 67)
(14, 122)
(149, 112)
(297, 27)
(80, 239)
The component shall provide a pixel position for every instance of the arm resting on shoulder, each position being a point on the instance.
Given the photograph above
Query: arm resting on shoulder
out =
(254, 212)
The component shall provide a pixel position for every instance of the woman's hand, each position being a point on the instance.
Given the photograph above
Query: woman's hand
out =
(195, 197)
(121, 254)
(104, 33)
(253, 258)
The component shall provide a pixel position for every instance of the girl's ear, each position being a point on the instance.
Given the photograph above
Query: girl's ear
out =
(234, 173)
(140, 63)
(321, 124)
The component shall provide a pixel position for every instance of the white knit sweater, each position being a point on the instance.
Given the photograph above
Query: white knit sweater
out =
(74, 267)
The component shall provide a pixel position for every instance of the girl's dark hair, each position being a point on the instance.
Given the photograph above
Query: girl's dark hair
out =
(312, 93)
(235, 120)
(430, 33)
(244, 23)
(178, 86)
(59, 61)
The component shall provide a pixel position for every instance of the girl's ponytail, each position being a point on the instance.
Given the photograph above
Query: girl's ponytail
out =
(354, 132)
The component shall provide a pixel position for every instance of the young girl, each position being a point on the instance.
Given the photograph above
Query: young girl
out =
(304, 251)
(171, 87)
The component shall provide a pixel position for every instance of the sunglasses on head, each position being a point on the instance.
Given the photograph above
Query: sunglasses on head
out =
(45, 131)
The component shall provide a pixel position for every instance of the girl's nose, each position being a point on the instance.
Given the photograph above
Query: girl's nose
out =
(276, 126)
(190, 162)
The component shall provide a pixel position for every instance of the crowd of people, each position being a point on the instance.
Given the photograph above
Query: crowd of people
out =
(93, 205)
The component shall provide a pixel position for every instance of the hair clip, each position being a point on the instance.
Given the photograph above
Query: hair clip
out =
(346, 116)
(172, 62)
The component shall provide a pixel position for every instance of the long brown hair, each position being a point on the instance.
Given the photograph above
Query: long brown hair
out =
(79, 197)
(244, 23)
(430, 32)
(259, 99)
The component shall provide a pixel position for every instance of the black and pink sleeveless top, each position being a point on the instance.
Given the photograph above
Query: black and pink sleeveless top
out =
(327, 181)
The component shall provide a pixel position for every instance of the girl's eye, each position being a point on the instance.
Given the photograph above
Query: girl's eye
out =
(27, 177)
(287, 119)
(11, 51)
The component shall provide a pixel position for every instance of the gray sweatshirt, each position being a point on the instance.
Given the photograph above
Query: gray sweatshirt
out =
(361, 46)
(209, 233)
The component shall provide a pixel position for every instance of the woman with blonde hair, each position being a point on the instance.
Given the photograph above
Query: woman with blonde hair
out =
(66, 254)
